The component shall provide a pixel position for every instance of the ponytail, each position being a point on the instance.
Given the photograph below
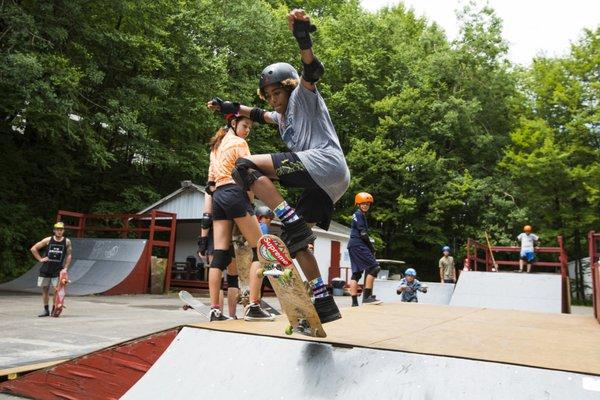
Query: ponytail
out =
(216, 140)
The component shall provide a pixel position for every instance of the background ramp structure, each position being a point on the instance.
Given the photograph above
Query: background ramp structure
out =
(198, 363)
(509, 291)
(107, 266)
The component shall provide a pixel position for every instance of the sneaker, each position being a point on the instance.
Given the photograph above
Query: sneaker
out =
(254, 312)
(297, 235)
(372, 300)
(217, 315)
(46, 313)
(327, 309)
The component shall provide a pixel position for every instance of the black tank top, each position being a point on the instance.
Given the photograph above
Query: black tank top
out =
(56, 253)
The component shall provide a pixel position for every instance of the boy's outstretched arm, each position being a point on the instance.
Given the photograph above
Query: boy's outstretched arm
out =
(299, 23)
(228, 107)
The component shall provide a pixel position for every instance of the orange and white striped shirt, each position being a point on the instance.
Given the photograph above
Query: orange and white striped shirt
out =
(222, 160)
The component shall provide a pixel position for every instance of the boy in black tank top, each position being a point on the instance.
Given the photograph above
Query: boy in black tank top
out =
(58, 256)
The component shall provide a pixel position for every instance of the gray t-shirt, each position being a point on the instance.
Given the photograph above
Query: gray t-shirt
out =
(307, 130)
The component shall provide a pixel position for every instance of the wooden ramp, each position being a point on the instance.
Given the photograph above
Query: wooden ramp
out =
(562, 342)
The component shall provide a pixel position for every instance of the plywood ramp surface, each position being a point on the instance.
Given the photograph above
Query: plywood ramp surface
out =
(561, 341)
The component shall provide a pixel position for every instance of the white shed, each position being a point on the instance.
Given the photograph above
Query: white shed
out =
(188, 203)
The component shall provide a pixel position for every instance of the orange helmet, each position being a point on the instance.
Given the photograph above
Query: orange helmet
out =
(363, 197)
(527, 228)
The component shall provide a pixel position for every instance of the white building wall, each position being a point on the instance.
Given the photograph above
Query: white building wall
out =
(186, 242)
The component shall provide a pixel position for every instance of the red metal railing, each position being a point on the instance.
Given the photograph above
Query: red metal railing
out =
(474, 256)
(146, 225)
(474, 250)
(594, 245)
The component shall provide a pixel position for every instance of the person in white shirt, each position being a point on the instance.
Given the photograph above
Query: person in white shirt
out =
(528, 242)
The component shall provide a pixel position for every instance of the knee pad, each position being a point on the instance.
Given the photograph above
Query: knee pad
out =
(254, 254)
(221, 259)
(373, 271)
(232, 281)
(356, 276)
(245, 173)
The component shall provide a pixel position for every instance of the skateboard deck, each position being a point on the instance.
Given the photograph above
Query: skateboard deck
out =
(195, 304)
(289, 287)
(60, 293)
(243, 259)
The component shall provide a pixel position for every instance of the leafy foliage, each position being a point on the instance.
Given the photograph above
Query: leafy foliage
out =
(103, 110)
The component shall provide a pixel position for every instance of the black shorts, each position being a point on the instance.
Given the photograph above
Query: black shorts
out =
(314, 204)
(229, 202)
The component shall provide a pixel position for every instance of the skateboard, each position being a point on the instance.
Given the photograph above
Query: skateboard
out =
(495, 266)
(291, 291)
(60, 293)
(243, 260)
(195, 304)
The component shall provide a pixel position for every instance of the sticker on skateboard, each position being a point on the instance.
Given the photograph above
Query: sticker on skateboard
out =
(60, 293)
(289, 287)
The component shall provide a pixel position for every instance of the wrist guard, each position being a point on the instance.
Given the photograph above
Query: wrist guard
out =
(302, 31)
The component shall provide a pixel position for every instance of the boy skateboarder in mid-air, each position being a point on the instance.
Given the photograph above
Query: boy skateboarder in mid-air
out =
(315, 162)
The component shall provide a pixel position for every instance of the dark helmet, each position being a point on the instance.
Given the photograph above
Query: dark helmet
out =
(277, 72)
(264, 211)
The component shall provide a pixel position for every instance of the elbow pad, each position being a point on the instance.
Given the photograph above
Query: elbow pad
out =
(206, 221)
(258, 115)
(314, 71)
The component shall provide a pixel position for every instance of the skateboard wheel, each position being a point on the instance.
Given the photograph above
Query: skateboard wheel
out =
(260, 273)
(289, 330)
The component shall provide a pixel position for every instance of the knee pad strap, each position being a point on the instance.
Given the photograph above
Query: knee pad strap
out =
(221, 259)
(232, 281)
(373, 271)
(356, 276)
(245, 173)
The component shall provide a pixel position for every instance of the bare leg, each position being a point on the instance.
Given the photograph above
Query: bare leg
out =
(521, 265)
(528, 267)
(45, 295)
(232, 293)
(369, 280)
(353, 289)
(222, 234)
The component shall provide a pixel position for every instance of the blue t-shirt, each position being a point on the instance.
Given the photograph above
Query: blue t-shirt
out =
(359, 224)
(410, 293)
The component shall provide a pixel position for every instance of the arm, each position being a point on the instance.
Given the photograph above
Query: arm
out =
(299, 24)
(35, 249)
(362, 229)
(441, 271)
(69, 255)
(227, 107)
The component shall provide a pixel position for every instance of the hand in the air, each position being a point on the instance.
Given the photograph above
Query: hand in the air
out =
(297, 14)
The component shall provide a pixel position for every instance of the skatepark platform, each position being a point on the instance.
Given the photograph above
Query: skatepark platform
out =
(510, 291)
(391, 351)
(99, 266)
